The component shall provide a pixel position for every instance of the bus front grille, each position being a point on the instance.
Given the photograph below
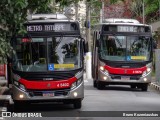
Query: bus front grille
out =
(63, 92)
(132, 77)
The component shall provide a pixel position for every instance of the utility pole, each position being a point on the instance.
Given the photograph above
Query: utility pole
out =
(102, 11)
(76, 10)
(143, 12)
(88, 37)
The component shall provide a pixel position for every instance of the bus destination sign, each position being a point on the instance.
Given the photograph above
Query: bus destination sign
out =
(127, 29)
(130, 29)
(48, 28)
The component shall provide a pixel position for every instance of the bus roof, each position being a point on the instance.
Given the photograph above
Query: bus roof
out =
(121, 21)
(45, 18)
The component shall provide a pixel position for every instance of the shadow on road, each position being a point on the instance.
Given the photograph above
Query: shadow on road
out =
(42, 107)
(115, 88)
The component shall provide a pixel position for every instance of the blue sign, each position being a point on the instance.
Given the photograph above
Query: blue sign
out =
(51, 67)
(128, 58)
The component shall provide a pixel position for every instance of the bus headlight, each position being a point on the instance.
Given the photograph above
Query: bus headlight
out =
(104, 71)
(146, 72)
(77, 83)
(148, 69)
(145, 79)
(105, 77)
(73, 85)
(22, 87)
(101, 68)
(17, 84)
(21, 96)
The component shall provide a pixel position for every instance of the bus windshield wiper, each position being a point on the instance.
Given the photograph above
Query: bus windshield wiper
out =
(59, 41)
(118, 41)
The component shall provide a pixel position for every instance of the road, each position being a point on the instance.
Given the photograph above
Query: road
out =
(105, 102)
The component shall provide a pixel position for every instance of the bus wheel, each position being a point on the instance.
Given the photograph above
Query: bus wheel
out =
(133, 86)
(94, 83)
(144, 87)
(100, 86)
(77, 104)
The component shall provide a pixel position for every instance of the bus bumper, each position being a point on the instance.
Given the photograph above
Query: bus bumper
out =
(124, 79)
(21, 95)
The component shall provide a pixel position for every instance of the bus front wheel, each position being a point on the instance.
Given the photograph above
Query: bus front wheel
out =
(144, 87)
(77, 104)
(133, 86)
(94, 83)
(100, 86)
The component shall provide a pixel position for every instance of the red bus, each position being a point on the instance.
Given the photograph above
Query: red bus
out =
(47, 62)
(122, 54)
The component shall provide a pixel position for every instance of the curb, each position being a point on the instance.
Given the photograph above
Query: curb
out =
(155, 85)
(4, 90)
(3, 100)
(3, 83)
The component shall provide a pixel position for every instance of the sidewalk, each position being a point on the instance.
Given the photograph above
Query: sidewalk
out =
(3, 81)
(3, 84)
(155, 84)
(4, 91)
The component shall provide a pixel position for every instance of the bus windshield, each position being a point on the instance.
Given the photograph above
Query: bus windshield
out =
(46, 54)
(125, 48)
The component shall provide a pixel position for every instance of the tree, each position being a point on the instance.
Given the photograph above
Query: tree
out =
(152, 10)
(136, 7)
(12, 16)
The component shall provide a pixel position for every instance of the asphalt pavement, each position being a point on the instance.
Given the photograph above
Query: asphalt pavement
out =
(113, 98)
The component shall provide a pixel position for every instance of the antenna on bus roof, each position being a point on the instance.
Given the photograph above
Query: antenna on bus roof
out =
(46, 16)
(119, 20)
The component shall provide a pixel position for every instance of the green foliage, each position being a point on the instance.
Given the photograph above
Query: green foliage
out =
(96, 6)
(151, 6)
(12, 16)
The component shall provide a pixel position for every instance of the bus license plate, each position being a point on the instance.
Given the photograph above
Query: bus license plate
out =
(48, 94)
(125, 78)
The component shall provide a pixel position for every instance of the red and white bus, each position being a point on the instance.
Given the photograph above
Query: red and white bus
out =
(47, 62)
(122, 53)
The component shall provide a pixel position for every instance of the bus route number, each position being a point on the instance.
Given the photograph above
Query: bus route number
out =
(63, 85)
(137, 72)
